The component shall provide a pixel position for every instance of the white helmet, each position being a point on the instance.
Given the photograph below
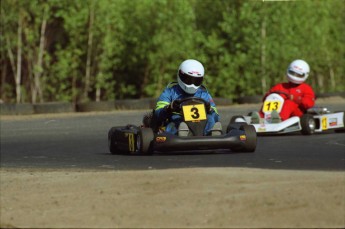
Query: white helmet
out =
(298, 71)
(190, 75)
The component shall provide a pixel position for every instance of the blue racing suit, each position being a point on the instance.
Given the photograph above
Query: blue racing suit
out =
(172, 92)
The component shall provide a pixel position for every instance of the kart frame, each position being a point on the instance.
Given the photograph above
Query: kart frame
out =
(316, 120)
(135, 139)
(146, 138)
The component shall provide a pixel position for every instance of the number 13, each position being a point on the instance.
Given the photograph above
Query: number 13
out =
(272, 106)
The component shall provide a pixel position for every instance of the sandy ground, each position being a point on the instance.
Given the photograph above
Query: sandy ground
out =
(181, 198)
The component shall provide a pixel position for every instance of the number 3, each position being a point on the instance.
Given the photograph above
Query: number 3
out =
(195, 112)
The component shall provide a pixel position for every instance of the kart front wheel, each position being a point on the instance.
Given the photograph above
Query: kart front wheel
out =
(248, 144)
(251, 138)
(308, 124)
(144, 141)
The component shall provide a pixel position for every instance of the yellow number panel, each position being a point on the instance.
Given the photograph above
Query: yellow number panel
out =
(271, 105)
(194, 112)
(324, 123)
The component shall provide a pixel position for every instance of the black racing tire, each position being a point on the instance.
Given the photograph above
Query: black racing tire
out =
(145, 141)
(147, 119)
(249, 99)
(95, 106)
(308, 124)
(111, 141)
(16, 109)
(235, 126)
(341, 130)
(251, 139)
(249, 145)
(233, 118)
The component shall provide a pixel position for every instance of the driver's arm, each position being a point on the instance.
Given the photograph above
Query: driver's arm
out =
(164, 100)
(213, 107)
(163, 111)
(308, 98)
(167, 104)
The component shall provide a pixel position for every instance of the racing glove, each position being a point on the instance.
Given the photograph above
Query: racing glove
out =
(174, 106)
(296, 99)
(208, 108)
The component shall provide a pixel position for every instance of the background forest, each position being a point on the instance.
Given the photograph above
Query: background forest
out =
(98, 50)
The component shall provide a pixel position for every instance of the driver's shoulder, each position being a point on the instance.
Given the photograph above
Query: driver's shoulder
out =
(172, 88)
(306, 85)
(172, 84)
(203, 88)
(284, 85)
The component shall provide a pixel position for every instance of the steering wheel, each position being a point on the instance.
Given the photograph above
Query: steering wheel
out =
(196, 99)
(282, 93)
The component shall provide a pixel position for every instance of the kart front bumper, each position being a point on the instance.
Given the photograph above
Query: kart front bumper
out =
(168, 142)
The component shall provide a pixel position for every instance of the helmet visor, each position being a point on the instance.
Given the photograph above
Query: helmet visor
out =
(296, 74)
(189, 80)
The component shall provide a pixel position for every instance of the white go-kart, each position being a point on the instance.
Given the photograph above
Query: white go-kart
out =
(316, 120)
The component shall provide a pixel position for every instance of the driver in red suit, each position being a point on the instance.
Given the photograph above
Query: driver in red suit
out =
(298, 95)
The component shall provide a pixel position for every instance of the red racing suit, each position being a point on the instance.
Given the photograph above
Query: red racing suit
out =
(298, 99)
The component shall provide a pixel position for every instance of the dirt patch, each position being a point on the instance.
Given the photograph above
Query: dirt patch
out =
(181, 198)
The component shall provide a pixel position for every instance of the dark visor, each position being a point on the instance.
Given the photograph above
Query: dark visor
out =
(189, 80)
(296, 74)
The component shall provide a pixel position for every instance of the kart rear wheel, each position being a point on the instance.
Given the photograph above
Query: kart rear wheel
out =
(308, 124)
(144, 140)
(111, 141)
(233, 119)
(235, 125)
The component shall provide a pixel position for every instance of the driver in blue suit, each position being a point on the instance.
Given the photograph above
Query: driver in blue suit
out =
(189, 84)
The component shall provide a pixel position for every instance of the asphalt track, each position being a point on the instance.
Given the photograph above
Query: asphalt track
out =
(80, 142)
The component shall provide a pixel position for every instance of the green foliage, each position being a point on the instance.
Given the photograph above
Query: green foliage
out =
(138, 45)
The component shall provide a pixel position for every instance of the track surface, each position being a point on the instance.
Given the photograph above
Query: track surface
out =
(80, 141)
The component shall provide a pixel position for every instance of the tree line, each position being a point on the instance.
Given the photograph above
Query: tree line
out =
(96, 50)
